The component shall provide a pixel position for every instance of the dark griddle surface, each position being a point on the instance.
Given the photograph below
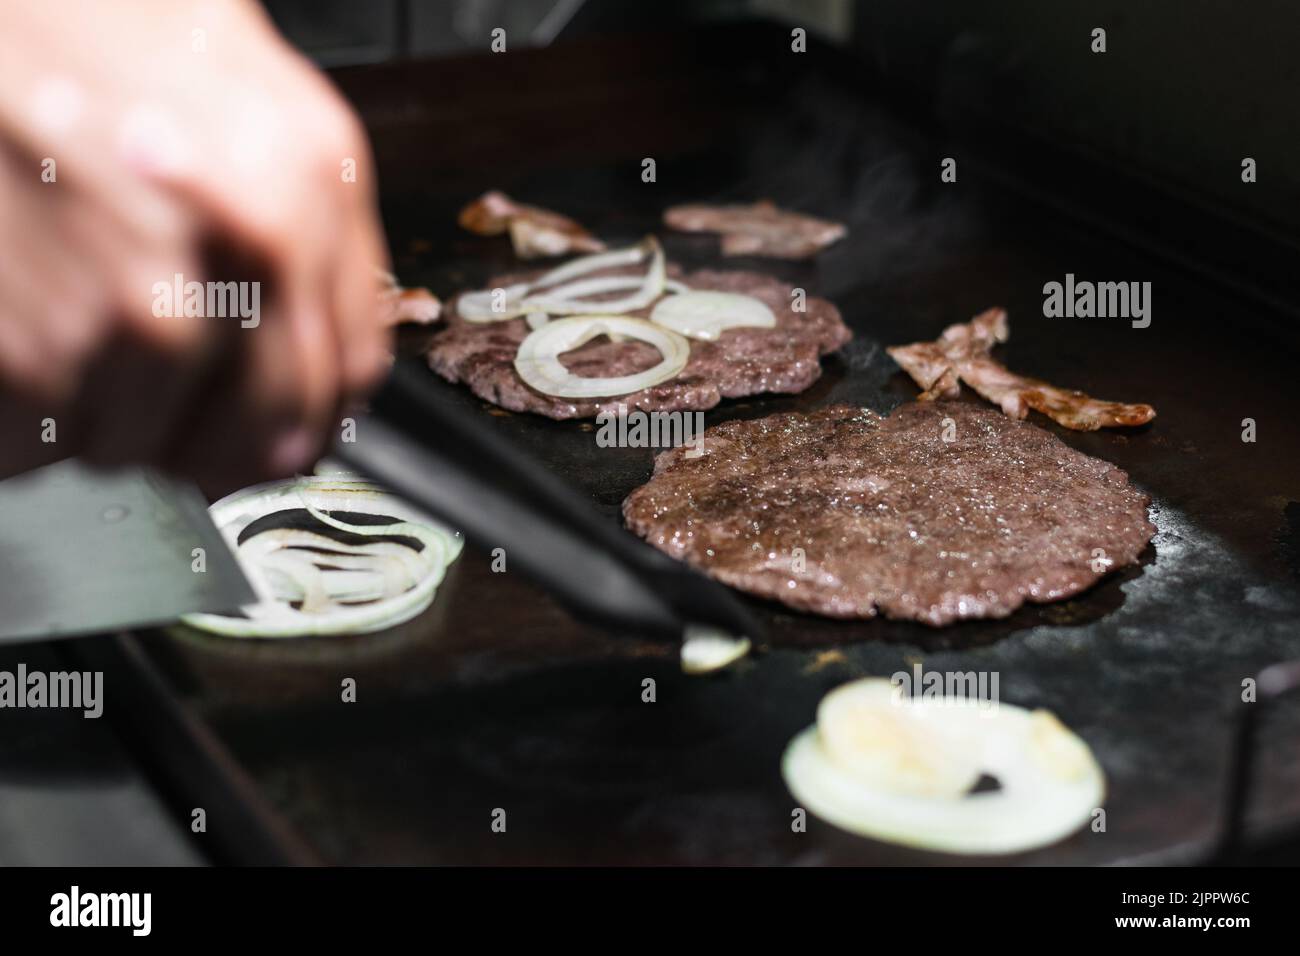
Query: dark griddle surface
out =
(496, 699)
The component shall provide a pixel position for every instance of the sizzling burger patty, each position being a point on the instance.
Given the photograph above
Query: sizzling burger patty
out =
(743, 361)
(844, 513)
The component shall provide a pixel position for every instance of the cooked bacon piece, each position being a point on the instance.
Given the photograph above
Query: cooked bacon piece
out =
(759, 229)
(534, 231)
(405, 305)
(961, 353)
(489, 215)
(934, 365)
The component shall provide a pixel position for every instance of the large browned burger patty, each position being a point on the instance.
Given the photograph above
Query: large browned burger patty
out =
(743, 361)
(890, 517)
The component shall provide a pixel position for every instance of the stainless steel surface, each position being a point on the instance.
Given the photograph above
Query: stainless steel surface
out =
(83, 551)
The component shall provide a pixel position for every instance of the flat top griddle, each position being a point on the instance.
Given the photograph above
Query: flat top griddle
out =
(495, 698)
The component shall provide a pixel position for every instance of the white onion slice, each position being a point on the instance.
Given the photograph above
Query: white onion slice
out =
(703, 314)
(492, 305)
(538, 359)
(548, 294)
(707, 649)
(613, 259)
(849, 771)
(599, 285)
(342, 588)
(329, 467)
(893, 743)
(650, 288)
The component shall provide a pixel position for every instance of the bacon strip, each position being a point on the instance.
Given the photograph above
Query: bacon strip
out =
(758, 229)
(961, 354)
(534, 232)
(400, 304)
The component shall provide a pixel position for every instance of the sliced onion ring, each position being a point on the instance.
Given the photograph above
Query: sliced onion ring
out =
(342, 588)
(703, 314)
(650, 288)
(602, 284)
(708, 649)
(541, 294)
(857, 779)
(895, 744)
(538, 359)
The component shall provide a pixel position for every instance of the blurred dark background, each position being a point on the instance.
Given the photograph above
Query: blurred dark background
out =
(1184, 92)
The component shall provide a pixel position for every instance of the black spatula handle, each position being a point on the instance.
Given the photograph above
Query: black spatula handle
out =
(451, 464)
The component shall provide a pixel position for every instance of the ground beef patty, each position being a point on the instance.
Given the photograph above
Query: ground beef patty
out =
(741, 362)
(891, 517)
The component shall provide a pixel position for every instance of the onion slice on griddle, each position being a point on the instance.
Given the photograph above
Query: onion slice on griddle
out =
(549, 293)
(339, 586)
(708, 649)
(603, 284)
(901, 770)
(703, 314)
(538, 359)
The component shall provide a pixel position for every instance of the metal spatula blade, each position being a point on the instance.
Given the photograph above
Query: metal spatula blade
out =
(83, 551)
